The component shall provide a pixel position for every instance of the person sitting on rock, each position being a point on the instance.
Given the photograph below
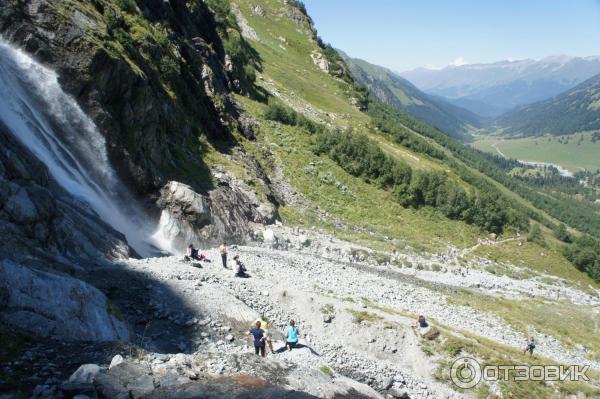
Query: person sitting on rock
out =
(240, 268)
(194, 254)
(421, 322)
(291, 335)
(259, 338)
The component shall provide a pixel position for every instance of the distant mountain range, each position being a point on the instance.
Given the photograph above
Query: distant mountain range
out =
(492, 89)
(575, 110)
(398, 92)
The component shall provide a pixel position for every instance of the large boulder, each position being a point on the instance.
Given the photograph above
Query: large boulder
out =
(187, 217)
(56, 306)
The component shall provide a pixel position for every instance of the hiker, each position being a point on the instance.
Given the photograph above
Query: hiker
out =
(259, 338)
(223, 251)
(265, 328)
(530, 346)
(194, 254)
(291, 335)
(421, 322)
(240, 268)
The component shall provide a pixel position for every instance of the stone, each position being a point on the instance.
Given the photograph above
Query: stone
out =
(116, 360)
(431, 333)
(398, 393)
(268, 236)
(57, 306)
(304, 241)
(327, 318)
(229, 338)
(85, 373)
(127, 377)
(388, 383)
(20, 208)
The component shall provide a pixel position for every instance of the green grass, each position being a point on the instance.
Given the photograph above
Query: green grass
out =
(372, 213)
(366, 215)
(571, 324)
(360, 316)
(578, 153)
(453, 344)
(529, 255)
(326, 370)
(327, 309)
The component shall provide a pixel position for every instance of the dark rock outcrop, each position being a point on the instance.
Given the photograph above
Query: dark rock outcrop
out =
(152, 96)
(46, 234)
(56, 306)
(39, 219)
(154, 76)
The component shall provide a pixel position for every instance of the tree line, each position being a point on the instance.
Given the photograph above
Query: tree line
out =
(361, 157)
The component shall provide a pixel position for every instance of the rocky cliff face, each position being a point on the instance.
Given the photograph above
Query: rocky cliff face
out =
(157, 79)
(46, 237)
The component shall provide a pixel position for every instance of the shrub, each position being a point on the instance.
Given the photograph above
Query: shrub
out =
(584, 253)
(535, 235)
(561, 233)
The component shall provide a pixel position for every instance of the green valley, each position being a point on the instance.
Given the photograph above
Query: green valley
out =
(573, 152)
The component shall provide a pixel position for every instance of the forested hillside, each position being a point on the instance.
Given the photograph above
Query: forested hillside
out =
(576, 110)
(403, 95)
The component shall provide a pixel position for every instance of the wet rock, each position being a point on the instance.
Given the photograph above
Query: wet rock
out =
(84, 374)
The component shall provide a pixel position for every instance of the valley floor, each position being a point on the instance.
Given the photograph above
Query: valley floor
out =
(573, 152)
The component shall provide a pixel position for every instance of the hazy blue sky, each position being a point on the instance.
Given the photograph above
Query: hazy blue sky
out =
(403, 34)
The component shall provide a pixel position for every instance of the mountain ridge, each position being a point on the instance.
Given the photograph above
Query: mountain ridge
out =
(506, 84)
(403, 95)
(575, 110)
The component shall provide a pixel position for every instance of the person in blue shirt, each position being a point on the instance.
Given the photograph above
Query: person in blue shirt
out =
(259, 338)
(291, 335)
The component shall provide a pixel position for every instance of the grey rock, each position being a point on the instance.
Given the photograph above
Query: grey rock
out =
(388, 383)
(398, 393)
(124, 378)
(57, 306)
(20, 208)
(85, 373)
(116, 360)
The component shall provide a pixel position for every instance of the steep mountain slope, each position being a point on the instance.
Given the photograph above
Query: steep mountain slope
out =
(401, 94)
(490, 89)
(576, 110)
(357, 217)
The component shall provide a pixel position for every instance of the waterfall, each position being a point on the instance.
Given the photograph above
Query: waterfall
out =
(55, 129)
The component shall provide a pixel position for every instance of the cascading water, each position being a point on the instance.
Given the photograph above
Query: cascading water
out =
(52, 126)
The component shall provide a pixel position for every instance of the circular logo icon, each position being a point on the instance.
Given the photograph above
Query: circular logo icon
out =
(465, 372)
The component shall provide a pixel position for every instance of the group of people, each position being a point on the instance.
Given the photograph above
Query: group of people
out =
(262, 338)
(194, 254)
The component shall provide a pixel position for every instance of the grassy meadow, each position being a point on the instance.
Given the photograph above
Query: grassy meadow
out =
(574, 152)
